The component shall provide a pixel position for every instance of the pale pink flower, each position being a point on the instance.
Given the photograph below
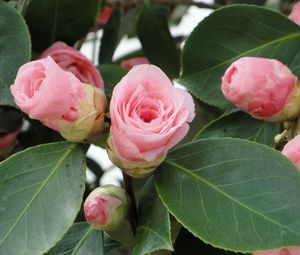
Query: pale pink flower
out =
(75, 62)
(148, 117)
(295, 13)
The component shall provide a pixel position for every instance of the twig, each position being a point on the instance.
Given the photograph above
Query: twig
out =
(133, 213)
(131, 3)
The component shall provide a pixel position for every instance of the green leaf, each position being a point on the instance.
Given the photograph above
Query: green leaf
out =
(231, 33)
(14, 49)
(111, 37)
(6, 98)
(111, 75)
(59, 20)
(157, 41)
(240, 125)
(153, 232)
(232, 193)
(41, 190)
(81, 239)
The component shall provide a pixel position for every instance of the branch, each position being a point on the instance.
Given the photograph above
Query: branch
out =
(133, 213)
(131, 3)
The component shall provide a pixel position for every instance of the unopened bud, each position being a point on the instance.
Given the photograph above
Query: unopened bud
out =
(106, 207)
(264, 88)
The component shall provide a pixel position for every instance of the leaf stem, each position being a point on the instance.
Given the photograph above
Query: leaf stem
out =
(133, 213)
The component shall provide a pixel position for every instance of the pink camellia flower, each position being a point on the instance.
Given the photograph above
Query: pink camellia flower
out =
(148, 117)
(104, 15)
(59, 100)
(129, 63)
(295, 14)
(264, 88)
(73, 61)
(285, 251)
(106, 207)
(292, 150)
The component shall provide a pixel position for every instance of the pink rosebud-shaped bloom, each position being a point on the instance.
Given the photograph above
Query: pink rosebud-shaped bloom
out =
(129, 63)
(59, 100)
(295, 14)
(285, 251)
(73, 61)
(264, 88)
(292, 150)
(104, 15)
(106, 207)
(148, 117)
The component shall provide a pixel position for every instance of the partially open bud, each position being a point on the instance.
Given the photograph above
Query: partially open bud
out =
(284, 251)
(264, 88)
(59, 100)
(292, 150)
(106, 207)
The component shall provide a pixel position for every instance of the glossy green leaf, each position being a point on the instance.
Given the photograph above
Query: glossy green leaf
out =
(110, 38)
(81, 239)
(59, 20)
(14, 49)
(231, 33)
(157, 41)
(111, 75)
(153, 232)
(41, 190)
(240, 125)
(232, 193)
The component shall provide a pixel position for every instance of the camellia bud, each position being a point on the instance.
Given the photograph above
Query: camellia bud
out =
(295, 13)
(284, 251)
(104, 15)
(106, 207)
(264, 88)
(59, 100)
(292, 150)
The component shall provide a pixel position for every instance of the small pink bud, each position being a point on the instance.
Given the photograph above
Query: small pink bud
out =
(295, 14)
(292, 150)
(285, 251)
(264, 88)
(106, 207)
(129, 63)
(104, 15)
(59, 100)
